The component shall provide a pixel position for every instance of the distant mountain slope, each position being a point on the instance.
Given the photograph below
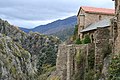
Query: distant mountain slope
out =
(59, 28)
(25, 29)
(55, 26)
(64, 34)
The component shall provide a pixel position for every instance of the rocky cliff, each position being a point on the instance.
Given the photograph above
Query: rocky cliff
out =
(15, 63)
(41, 49)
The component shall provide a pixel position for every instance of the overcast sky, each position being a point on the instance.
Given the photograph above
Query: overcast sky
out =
(31, 13)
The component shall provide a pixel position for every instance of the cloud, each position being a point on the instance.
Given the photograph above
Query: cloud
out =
(29, 24)
(34, 11)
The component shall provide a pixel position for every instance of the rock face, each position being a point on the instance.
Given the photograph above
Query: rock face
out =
(41, 49)
(15, 63)
(12, 31)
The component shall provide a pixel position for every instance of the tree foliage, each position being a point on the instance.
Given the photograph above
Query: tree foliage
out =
(78, 41)
(114, 68)
(87, 39)
(75, 35)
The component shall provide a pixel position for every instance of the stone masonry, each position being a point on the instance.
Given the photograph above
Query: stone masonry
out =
(67, 65)
(117, 40)
(102, 49)
(85, 18)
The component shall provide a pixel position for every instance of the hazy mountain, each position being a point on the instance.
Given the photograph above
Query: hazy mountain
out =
(56, 27)
(25, 29)
(64, 34)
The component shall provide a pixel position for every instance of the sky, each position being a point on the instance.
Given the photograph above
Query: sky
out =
(31, 13)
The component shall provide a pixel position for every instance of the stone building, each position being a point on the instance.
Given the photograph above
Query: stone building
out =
(104, 24)
(91, 18)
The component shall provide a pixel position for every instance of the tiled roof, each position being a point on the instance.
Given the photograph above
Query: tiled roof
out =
(98, 10)
(103, 23)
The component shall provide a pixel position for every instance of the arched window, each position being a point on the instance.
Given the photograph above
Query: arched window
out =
(115, 30)
(92, 38)
(100, 17)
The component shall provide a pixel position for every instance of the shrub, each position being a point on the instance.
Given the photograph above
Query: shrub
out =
(76, 76)
(48, 68)
(114, 68)
(78, 41)
(54, 78)
(86, 39)
(76, 29)
(79, 58)
(75, 32)
(89, 75)
(91, 58)
(13, 70)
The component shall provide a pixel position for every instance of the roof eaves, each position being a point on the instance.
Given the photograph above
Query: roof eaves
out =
(81, 8)
(79, 11)
(100, 13)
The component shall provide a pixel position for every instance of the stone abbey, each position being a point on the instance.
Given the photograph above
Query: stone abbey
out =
(103, 27)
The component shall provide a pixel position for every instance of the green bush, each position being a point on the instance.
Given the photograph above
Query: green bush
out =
(76, 76)
(89, 75)
(78, 41)
(91, 59)
(86, 39)
(76, 29)
(75, 35)
(54, 78)
(114, 68)
(79, 58)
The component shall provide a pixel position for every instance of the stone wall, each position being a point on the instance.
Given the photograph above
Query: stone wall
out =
(69, 64)
(66, 64)
(103, 49)
(92, 18)
(61, 64)
(117, 40)
(80, 22)
(85, 61)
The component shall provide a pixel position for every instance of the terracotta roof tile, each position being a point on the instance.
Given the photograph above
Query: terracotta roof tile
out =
(98, 10)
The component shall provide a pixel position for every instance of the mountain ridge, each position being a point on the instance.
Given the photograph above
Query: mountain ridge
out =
(54, 27)
(62, 29)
